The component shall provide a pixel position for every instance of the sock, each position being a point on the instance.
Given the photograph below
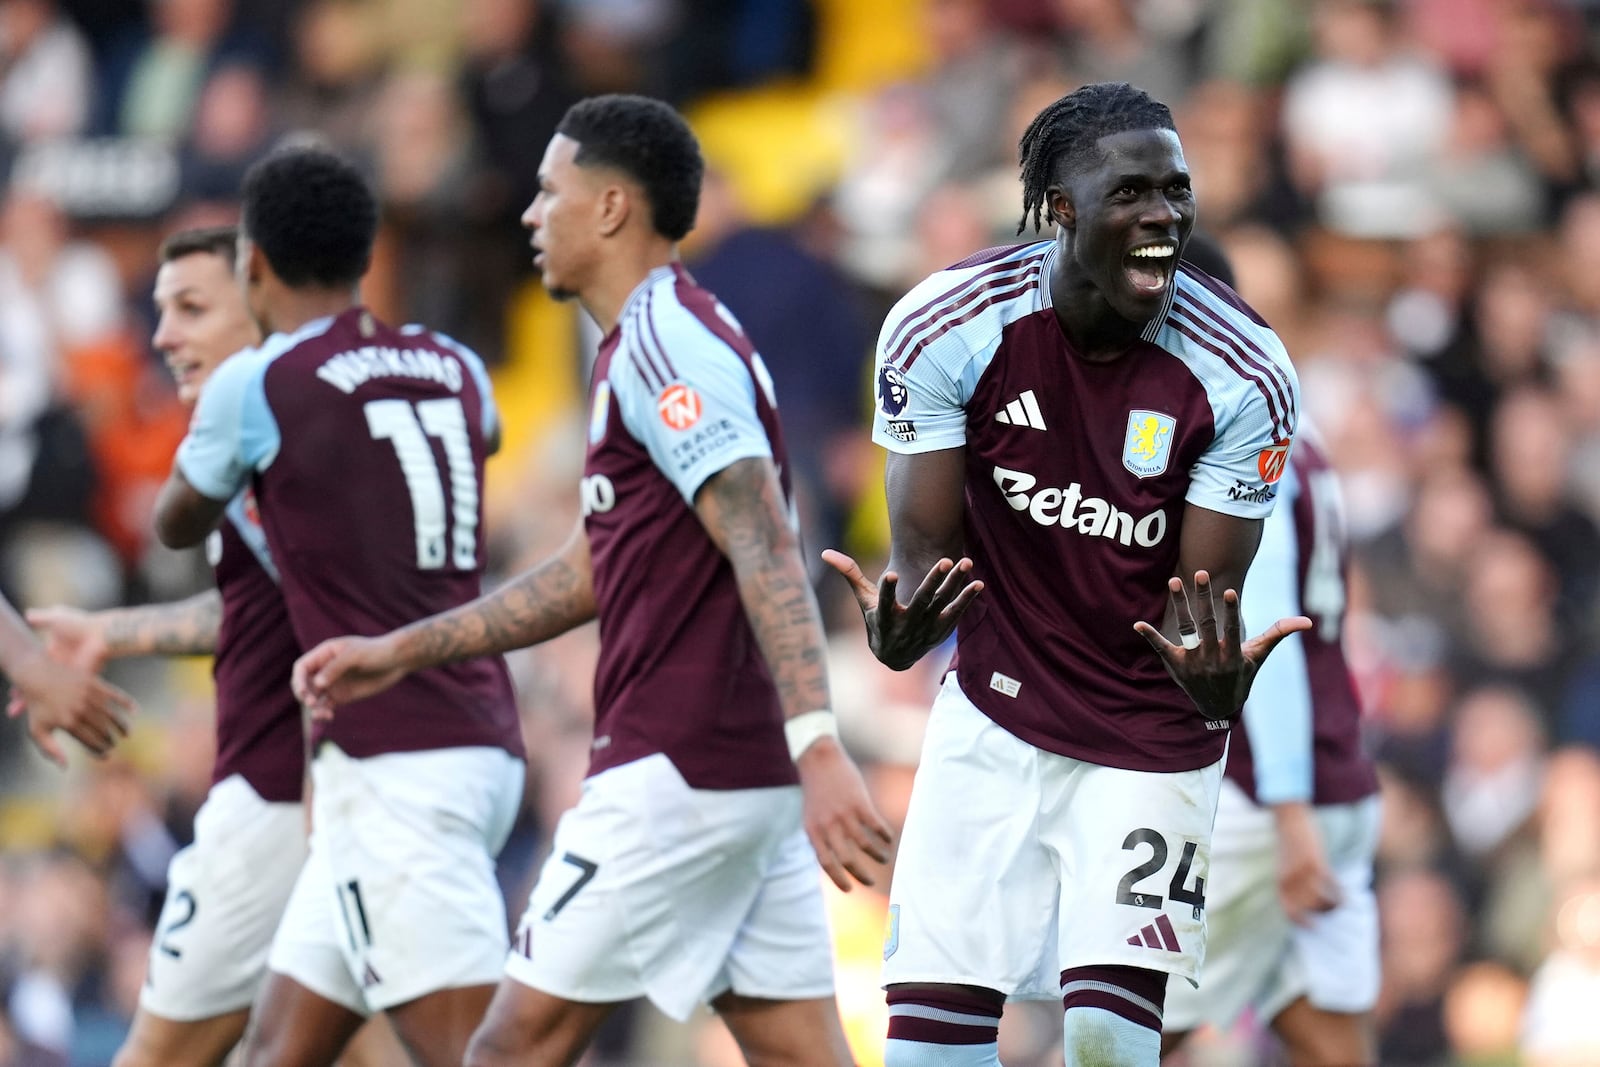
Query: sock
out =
(1112, 1016)
(950, 1026)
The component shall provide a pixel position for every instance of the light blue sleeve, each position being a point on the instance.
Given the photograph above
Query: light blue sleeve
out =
(705, 418)
(921, 408)
(480, 374)
(233, 432)
(1277, 717)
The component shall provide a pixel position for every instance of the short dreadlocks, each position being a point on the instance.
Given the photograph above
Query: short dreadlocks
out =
(1065, 134)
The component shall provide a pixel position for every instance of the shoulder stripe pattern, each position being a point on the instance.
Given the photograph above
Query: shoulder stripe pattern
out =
(1007, 284)
(660, 349)
(1153, 328)
(949, 296)
(632, 342)
(1280, 381)
(1214, 333)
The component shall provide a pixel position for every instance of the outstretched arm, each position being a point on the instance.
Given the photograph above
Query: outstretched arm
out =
(742, 507)
(86, 639)
(542, 603)
(927, 505)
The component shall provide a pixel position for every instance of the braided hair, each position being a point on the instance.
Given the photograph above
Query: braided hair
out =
(1069, 130)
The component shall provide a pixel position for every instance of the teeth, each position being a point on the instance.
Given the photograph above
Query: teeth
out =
(1153, 252)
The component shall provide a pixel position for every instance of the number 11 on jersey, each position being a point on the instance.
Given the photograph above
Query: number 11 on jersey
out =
(408, 428)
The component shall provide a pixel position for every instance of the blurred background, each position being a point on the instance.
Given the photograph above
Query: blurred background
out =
(1410, 194)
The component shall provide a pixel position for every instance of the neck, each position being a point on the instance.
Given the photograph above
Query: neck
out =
(1094, 329)
(603, 298)
(291, 309)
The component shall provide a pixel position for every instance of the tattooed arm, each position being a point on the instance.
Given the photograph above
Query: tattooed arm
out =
(86, 639)
(542, 603)
(742, 507)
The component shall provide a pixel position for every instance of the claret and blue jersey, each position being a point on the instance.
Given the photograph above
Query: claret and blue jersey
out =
(1077, 476)
(364, 445)
(679, 394)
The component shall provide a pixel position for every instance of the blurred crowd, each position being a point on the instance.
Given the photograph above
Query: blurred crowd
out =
(1409, 192)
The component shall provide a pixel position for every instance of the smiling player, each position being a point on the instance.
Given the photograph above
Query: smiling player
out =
(1082, 419)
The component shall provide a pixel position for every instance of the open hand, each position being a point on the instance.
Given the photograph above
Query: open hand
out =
(844, 827)
(342, 670)
(899, 636)
(1214, 666)
(57, 697)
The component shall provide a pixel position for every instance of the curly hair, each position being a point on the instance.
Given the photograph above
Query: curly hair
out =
(649, 142)
(1065, 135)
(312, 215)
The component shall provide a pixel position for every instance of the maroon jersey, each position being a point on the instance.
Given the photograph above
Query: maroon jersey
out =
(259, 734)
(679, 394)
(365, 445)
(1077, 478)
(1302, 740)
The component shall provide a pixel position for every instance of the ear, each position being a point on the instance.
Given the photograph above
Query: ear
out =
(256, 267)
(614, 206)
(1061, 209)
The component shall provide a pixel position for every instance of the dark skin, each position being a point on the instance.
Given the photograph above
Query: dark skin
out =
(1135, 195)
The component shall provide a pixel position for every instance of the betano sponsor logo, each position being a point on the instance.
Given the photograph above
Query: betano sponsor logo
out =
(1068, 508)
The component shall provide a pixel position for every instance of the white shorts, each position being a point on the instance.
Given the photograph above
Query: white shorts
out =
(656, 889)
(1258, 958)
(225, 895)
(398, 896)
(1016, 863)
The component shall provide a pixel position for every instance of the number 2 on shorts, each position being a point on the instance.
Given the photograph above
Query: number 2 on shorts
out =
(184, 898)
(1128, 891)
(586, 869)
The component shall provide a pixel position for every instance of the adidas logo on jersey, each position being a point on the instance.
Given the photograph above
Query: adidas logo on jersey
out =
(1068, 508)
(1158, 934)
(1023, 411)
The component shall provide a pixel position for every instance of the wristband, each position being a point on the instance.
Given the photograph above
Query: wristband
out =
(806, 728)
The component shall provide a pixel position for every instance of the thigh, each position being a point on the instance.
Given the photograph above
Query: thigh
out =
(974, 895)
(156, 1042)
(1134, 849)
(646, 887)
(525, 1025)
(786, 1033)
(293, 1026)
(436, 1028)
(409, 840)
(225, 896)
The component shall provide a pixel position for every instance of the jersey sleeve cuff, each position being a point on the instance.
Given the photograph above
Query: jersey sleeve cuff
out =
(205, 485)
(1239, 509)
(918, 443)
(690, 486)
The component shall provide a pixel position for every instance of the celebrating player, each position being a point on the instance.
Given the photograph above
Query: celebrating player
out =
(364, 445)
(1082, 418)
(684, 873)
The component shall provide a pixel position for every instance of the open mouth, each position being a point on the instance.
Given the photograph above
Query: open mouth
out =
(1149, 267)
(184, 373)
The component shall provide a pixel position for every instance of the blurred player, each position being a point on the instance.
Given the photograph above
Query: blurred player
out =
(54, 698)
(1292, 917)
(364, 446)
(1084, 419)
(226, 891)
(684, 873)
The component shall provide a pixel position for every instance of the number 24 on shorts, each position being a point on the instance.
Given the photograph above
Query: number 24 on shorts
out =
(1129, 891)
